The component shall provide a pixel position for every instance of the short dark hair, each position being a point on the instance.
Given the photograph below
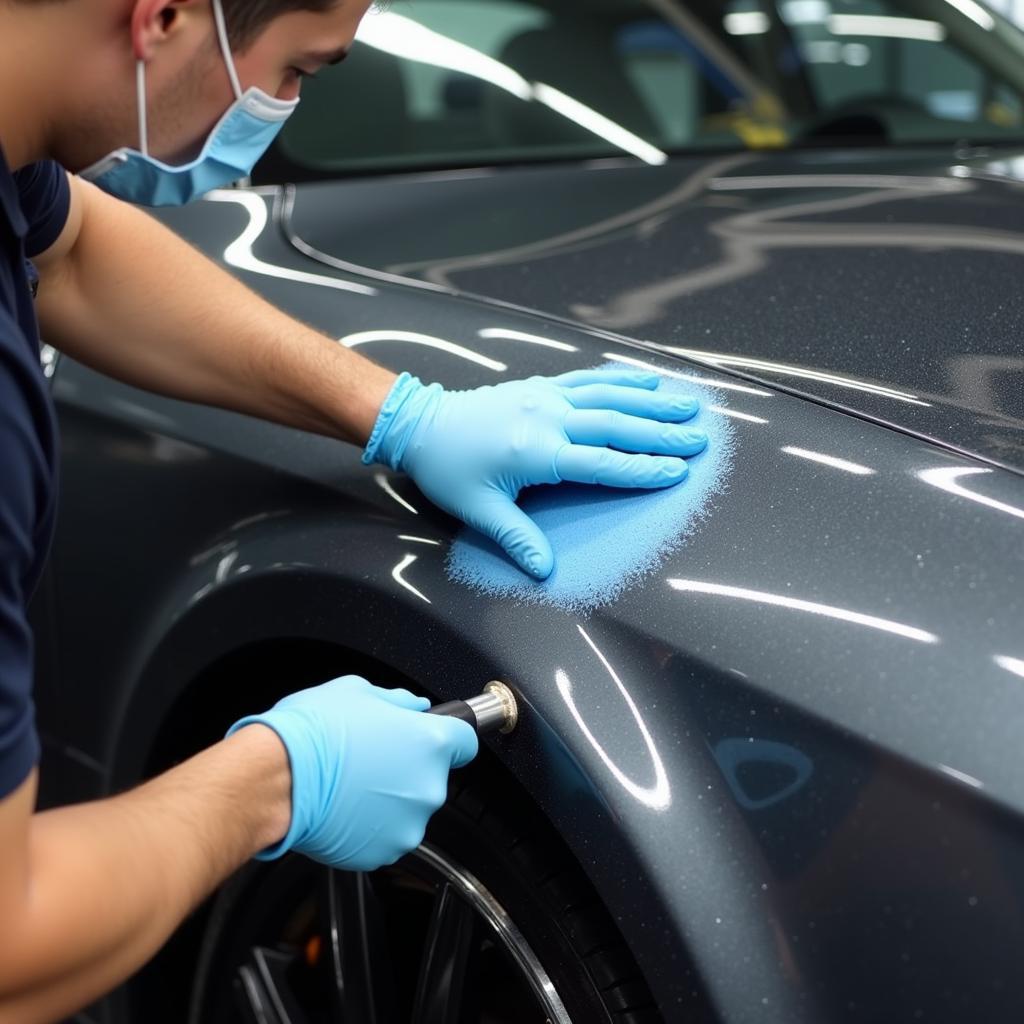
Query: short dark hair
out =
(247, 18)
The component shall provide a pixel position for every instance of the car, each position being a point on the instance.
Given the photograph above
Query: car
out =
(768, 763)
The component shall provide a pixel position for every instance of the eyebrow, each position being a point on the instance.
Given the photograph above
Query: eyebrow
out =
(329, 56)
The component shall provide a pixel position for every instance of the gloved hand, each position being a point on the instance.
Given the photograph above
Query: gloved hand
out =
(368, 770)
(471, 452)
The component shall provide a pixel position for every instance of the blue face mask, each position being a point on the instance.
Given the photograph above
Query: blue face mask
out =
(239, 139)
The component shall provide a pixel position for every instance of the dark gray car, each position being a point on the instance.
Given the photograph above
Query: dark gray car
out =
(769, 765)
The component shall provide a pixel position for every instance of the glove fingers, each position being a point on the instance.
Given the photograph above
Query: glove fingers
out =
(656, 405)
(513, 530)
(461, 739)
(603, 428)
(646, 379)
(588, 465)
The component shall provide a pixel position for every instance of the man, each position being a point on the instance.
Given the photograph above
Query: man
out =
(157, 101)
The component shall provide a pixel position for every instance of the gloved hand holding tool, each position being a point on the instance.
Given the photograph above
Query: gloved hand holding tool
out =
(368, 768)
(472, 452)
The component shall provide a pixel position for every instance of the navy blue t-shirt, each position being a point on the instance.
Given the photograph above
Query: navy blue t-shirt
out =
(34, 206)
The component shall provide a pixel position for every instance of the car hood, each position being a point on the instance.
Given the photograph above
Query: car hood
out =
(885, 283)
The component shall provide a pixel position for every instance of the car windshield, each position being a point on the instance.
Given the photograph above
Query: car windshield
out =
(458, 83)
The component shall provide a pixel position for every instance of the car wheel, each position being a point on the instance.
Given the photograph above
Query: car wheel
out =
(490, 921)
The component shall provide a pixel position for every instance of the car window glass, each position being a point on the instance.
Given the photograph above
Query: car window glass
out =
(450, 83)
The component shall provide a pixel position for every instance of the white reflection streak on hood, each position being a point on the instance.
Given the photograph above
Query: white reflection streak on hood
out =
(531, 339)
(946, 480)
(658, 796)
(415, 338)
(798, 605)
(396, 575)
(1014, 665)
(828, 460)
(787, 370)
(239, 253)
(735, 415)
(385, 485)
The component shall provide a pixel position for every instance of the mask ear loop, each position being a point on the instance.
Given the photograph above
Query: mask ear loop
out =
(225, 49)
(140, 102)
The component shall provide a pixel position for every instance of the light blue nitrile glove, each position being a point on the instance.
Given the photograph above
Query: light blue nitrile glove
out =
(472, 452)
(368, 767)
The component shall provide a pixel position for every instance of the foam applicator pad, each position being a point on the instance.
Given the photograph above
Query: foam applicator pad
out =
(604, 539)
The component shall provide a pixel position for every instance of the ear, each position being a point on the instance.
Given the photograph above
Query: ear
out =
(154, 22)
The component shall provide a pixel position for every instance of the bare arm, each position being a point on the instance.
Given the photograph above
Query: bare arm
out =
(123, 294)
(89, 893)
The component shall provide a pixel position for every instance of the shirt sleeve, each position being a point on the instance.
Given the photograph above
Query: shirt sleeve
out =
(22, 490)
(45, 199)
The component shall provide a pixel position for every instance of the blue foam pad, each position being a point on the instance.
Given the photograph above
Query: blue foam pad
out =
(604, 539)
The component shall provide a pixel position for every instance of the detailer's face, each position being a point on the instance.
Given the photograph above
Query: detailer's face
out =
(187, 84)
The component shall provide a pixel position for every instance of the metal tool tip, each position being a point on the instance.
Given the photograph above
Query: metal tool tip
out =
(510, 705)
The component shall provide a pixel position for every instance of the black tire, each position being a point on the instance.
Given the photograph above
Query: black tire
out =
(494, 835)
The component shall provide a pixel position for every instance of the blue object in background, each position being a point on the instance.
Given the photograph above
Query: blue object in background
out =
(604, 539)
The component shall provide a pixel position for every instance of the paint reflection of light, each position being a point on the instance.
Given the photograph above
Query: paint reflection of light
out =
(726, 384)
(530, 339)
(658, 796)
(1014, 665)
(746, 23)
(733, 414)
(601, 126)
(851, 181)
(828, 460)
(385, 485)
(224, 566)
(804, 12)
(403, 37)
(798, 605)
(975, 12)
(785, 370)
(414, 338)
(239, 253)
(886, 26)
(946, 480)
(396, 575)
(955, 773)
(418, 540)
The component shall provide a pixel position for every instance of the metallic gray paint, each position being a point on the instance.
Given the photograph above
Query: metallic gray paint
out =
(886, 282)
(850, 622)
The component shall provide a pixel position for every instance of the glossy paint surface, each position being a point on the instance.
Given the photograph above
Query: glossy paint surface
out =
(789, 759)
(886, 282)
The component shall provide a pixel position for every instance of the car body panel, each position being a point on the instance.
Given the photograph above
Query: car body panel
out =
(793, 774)
(885, 282)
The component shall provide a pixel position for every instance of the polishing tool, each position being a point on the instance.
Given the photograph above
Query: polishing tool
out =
(494, 710)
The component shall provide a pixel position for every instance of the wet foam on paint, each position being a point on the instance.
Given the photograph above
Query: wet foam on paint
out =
(604, 540)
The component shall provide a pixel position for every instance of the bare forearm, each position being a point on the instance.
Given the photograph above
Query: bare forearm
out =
(136, 302)
(106, 883)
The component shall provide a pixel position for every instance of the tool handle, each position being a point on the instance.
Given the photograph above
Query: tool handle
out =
(456, 709)
(494, 710)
